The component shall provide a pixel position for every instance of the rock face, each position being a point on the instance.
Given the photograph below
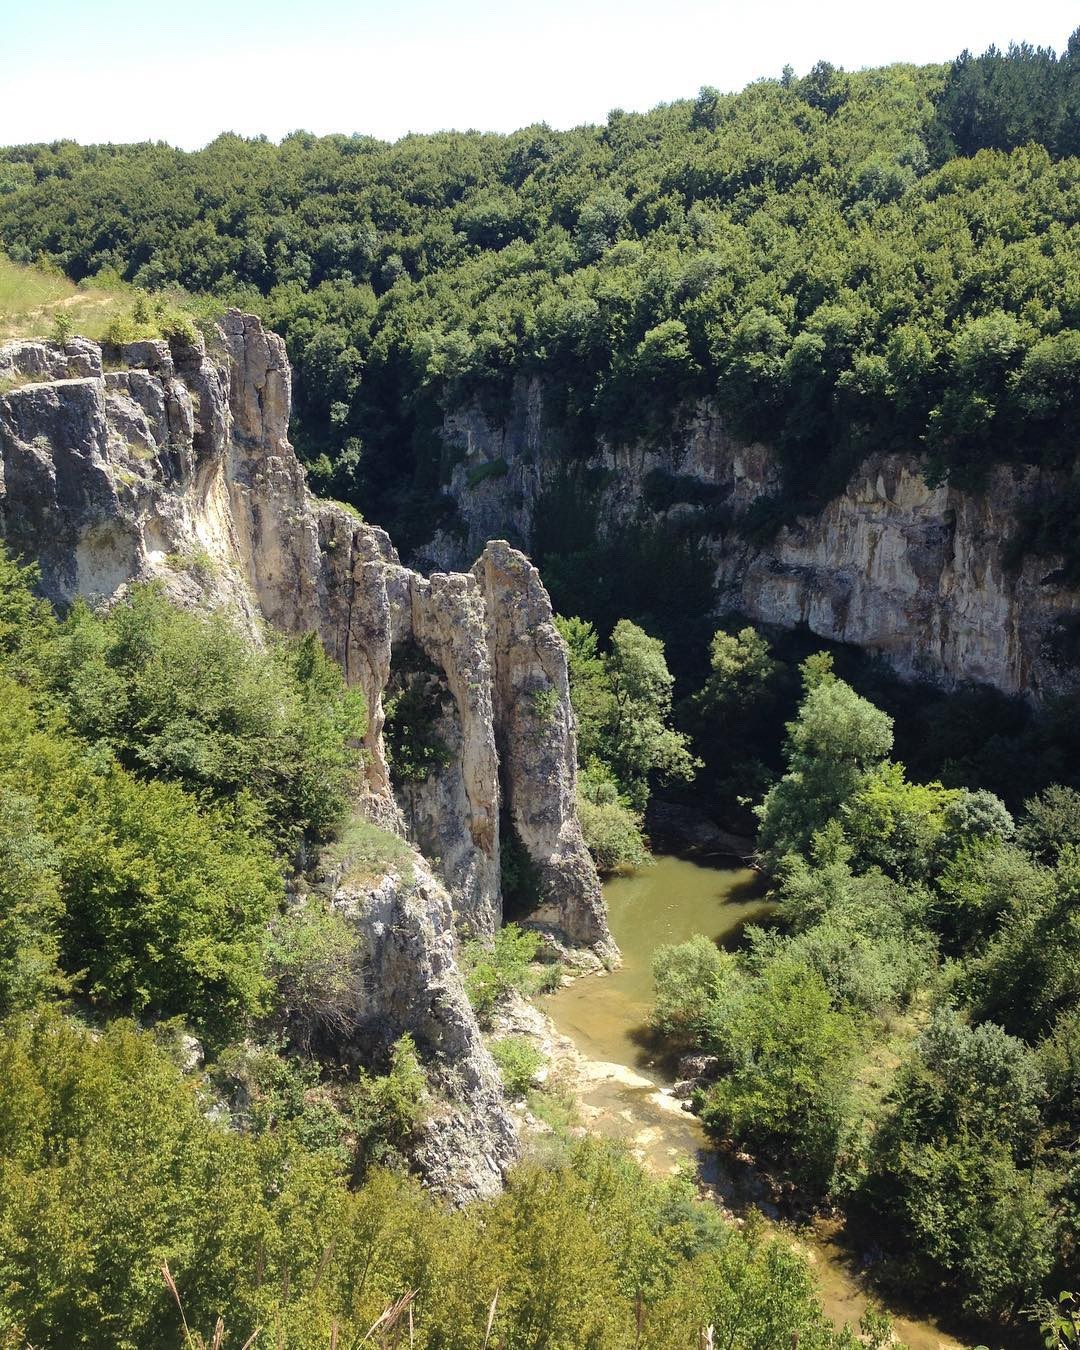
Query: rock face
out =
(892, 564)
(917, 574)
(535, 737)
(176, 466)
(410, 983)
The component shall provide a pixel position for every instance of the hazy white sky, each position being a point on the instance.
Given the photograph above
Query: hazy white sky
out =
(185, 70)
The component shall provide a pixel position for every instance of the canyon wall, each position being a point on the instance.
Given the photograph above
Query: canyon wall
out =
(171, 462)
(892, 564)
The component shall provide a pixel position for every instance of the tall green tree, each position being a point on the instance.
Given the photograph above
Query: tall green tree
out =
(952, 1167)
(834, 741)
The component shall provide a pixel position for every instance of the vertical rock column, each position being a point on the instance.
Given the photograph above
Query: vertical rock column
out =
(276, 531)
(462, 802)
(534, 733)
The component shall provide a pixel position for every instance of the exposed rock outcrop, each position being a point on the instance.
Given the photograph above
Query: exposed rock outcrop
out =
(176, 466)
(892, 564)
(410, 983)
(535, 736)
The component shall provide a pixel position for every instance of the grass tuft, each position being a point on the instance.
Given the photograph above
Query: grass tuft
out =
(364, 852)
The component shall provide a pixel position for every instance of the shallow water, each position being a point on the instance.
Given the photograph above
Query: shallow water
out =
(606, 1015)
(668, 902)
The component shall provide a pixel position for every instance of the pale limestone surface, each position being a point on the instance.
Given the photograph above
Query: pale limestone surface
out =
(177, 467)
(892, 564)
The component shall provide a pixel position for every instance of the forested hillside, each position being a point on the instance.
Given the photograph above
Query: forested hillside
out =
(844, 261)
(839, 263)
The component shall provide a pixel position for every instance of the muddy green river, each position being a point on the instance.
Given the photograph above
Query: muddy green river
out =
(605, 1016)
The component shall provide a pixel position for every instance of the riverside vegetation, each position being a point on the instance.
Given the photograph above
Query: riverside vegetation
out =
(904, 1040)
(901, 1040)
(884, 259)
(161, 782)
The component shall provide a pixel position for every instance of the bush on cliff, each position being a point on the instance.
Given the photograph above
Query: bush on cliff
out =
(155, 767)
(188, 697)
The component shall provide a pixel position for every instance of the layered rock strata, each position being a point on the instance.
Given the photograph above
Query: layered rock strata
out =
(892, 564)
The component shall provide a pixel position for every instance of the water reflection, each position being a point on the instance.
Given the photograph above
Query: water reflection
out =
(671, 901)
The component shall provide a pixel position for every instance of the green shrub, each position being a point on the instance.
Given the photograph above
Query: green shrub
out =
(688, 979)
(545, 704)
(388, 1109)
(314, 962)
(121, 330)
(897, 825)
(547, 977)
(154, 904)
(864, 971)
(28, 626)
(1051, 821)
(188, 697)
(789, 1065)
(951, 1168)
(31, 909)
(517, 1060)
(270, 1093)
(612, 831)
(622, 702)
(62, 327)
(177, 326)
(111, 1167)
(833, 744)
(493, 969)
(1059, 1064)
(1029, 974)
(480, 473)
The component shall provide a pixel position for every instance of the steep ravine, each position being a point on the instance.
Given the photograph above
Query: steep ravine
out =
(892, 564)
(173, 463)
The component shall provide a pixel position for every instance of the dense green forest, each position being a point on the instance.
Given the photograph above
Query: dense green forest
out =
(881, 259)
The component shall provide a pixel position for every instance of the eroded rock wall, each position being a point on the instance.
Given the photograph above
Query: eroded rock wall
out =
(410, 983)
(892, 564)
(534, 731)
(173, 463)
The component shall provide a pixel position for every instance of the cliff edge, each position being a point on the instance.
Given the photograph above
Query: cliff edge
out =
(171, 462)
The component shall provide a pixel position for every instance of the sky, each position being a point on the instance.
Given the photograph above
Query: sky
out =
(186, 70)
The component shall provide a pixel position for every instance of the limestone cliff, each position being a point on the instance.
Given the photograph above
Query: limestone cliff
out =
(173, 462)
(892, 564)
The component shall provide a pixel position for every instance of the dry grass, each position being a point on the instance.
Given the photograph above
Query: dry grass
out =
(388, 1332)
(364, 853)
(31, 297)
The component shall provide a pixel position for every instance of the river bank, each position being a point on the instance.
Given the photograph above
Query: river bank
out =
(599, 1042)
